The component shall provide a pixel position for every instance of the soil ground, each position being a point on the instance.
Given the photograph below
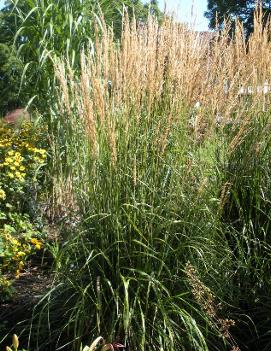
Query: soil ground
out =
(16, 313)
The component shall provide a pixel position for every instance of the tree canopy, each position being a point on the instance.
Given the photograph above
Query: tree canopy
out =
(219, 10)
(11, 69)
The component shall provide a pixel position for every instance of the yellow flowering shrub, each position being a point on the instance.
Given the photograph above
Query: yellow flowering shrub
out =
(21, 164)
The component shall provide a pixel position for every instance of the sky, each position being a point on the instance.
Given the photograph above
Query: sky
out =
(190, 11)
(183, 11)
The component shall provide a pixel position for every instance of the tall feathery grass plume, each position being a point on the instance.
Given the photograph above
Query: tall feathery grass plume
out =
(151, 131)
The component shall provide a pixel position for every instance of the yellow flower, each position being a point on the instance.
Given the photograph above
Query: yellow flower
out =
(8, 160)
(37, 159)
(18, 157)
(41, 151)
(21, 254)
(7, 236)
(22, 168)
(17, 275)
(2, 194)
(15, 341)
(15, 242)
(10, 175)
(37, 243)
(11, 153)
(5, 282)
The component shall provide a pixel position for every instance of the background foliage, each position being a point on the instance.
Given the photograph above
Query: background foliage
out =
(36, 31)
(243, 10)
(11, 69)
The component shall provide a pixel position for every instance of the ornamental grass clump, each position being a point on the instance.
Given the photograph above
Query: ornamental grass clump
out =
(125, 152)
(157, 150)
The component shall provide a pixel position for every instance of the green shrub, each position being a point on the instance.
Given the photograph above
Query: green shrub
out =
(11, 70)
(21, 163)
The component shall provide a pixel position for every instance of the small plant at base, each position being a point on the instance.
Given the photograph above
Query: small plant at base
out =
(99, 344)
(206, 300)
(15, 344)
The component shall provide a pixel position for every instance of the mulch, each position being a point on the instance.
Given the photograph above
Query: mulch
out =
(16, 313)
